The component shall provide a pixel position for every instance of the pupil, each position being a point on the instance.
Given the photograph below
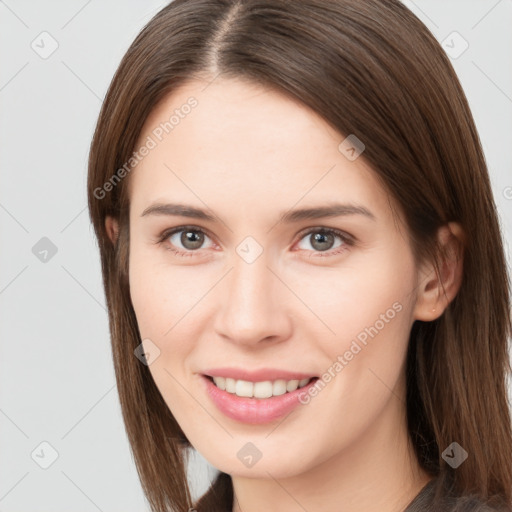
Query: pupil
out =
(322, 238)
(193, 238)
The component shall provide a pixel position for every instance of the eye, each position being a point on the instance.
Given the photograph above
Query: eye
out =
(323, 240)
(183, 241)
(187, 240)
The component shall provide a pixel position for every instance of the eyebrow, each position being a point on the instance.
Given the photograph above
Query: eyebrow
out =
(319, 212)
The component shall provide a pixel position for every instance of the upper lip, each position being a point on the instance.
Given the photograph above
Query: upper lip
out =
(261, 375)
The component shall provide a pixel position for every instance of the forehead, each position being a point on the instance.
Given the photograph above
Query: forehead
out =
(232, 142)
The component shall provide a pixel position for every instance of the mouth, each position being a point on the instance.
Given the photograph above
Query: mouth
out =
(260, 389)
(254, 401)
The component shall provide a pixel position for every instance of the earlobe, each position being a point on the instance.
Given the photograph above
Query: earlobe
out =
(435, 292)
(112, 228)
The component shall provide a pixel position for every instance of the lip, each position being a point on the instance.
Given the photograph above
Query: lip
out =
(254, 410)
(261, 375)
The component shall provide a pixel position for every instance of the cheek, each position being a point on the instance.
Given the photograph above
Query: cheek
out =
(152, 296)
(369, 297)
(167, 301)
(372, 329)
(155, 290)
(160, 311)
(371, 316)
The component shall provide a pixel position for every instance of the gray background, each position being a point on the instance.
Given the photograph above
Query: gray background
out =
(57, 383)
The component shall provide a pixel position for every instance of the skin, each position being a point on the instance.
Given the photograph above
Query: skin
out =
(295, 307)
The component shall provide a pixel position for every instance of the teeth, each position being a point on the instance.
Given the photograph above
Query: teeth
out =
(264, 389)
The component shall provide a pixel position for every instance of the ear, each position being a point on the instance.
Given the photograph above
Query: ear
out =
(436, 292)
(112, 227)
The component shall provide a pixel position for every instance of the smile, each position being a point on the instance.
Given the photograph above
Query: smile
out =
(256, 403)
(262, 389)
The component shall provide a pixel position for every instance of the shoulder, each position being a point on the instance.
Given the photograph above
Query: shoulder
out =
(426, 501)
(471, 504)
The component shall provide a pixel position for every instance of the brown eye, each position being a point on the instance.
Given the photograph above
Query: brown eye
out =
(184, 241)
(324, 239)
(191, 239)
(321, 241)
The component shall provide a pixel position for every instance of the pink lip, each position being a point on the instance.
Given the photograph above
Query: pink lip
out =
(254, 410)
(271, 374)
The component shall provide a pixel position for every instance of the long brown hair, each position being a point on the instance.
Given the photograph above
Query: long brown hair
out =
(369, 68)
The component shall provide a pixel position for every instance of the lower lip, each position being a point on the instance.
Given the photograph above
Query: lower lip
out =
(254, 410)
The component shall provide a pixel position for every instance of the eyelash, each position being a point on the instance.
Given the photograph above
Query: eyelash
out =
(348, 241)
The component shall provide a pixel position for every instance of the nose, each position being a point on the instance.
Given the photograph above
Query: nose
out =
(254, 306)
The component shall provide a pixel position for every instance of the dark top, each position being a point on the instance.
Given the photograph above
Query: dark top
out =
(423, 502)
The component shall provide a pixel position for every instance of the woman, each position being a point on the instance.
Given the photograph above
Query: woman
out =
(302, 260)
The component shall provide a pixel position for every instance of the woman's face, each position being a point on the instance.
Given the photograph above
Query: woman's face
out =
(260, 292)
